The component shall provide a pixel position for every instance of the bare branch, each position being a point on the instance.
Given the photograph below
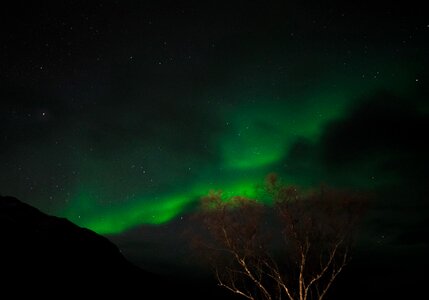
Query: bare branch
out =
(232, 288)
(316, 230)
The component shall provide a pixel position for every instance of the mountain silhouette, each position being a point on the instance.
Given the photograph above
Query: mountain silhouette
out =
(47, 255)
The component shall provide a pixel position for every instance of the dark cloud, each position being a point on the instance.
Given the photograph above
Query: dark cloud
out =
(380, 140)
(385, 130)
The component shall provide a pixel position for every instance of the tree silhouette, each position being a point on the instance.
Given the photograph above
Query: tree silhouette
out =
(294, 249)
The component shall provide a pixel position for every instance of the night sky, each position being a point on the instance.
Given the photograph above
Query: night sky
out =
(117, 114)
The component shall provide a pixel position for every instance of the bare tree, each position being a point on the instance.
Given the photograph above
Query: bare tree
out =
(293, 250)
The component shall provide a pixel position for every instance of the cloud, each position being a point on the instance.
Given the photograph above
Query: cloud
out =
(380, 140)
(383, 130)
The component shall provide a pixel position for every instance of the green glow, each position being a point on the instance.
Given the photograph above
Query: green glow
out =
(261, 135)
(119, 219)
(257, 132)
(115, 219)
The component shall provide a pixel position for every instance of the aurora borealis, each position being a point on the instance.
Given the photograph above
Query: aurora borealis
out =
(253, 138)
(116, 115)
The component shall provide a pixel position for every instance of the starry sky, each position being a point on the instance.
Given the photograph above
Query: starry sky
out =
(119, 114)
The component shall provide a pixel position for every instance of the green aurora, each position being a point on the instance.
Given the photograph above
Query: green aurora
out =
(118, 120)
(255, 138)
